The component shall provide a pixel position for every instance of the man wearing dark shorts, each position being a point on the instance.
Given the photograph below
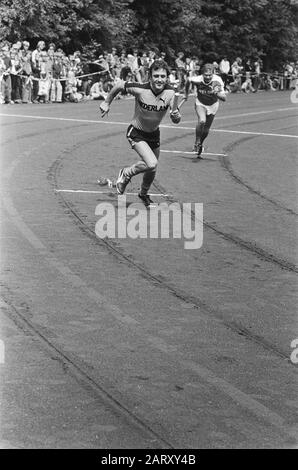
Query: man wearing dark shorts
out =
(152, 101)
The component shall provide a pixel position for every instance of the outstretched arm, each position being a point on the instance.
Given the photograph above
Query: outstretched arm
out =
(221, 95)
(219, 92)
(187, 86)
(105, 105)
(174, 110)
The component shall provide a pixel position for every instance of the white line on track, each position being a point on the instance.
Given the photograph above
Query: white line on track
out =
(255, 113)
(109, 123)
(194, 153)
(108, 191)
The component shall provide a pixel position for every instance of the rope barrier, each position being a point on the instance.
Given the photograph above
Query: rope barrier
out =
(63, 79)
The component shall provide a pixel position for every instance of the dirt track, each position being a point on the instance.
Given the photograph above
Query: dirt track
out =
(140, 343)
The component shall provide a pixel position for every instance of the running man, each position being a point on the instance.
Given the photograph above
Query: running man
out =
(152, 101)
(209, 89)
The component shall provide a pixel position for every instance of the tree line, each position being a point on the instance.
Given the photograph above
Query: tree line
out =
(208, 29)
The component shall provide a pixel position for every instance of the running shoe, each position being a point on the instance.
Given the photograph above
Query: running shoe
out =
(122, 182)
(145, 199)
(198, 148)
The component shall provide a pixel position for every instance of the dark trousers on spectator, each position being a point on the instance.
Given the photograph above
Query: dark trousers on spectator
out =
(224, 77)
(6, 88)
(16, 88)
(26, 90)
(35, 89)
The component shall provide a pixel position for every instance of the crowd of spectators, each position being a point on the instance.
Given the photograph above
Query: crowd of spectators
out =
(47, 75)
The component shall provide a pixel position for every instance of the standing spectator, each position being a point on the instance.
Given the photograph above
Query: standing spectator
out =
(135, 64)
(256, 75)
(180, 67)
(144, 67)
(215, 67)
(35, 63)
(187, 67)
(2, 68)
(194, 66)
(224, 69)
(36, 53)
(6, 79)
(248, 68)
(112, 60)
(236, 70)
(123, 59)
(56, 87)
(173, 79)
(288, 69)
(294, 75)
(86, 79)
(151, 57)
(25, 49)
(64, 73)
(15, 72)
(27, 83)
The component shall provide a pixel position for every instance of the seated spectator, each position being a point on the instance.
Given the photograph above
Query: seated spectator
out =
(44, 84)
(268, 82)
(97, 92)
(71, 89)
(235, 85)
(246, 86)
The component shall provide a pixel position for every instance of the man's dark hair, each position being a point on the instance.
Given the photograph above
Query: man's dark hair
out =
(207, 68)
(159, 64)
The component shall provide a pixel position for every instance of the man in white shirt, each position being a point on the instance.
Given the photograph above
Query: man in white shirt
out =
(224, 69)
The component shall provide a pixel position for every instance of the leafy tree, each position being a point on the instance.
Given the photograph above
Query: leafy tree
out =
(70, 23)
(208, 29)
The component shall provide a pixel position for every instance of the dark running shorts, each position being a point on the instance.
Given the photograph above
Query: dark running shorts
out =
(136, 135)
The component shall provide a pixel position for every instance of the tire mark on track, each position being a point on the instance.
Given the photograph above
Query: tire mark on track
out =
(16, 123)
(245, 244)
(35, 134)
(256, 122)
(79, 373)
(53, 175)
(226, 164)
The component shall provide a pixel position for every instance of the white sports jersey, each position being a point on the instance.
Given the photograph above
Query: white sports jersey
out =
(149, 108)
(205, 92)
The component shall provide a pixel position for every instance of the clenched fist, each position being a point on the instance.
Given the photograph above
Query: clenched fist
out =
(175, 116)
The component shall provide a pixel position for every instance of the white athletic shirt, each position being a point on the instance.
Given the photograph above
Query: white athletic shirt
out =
(149, 108)
(204, 92)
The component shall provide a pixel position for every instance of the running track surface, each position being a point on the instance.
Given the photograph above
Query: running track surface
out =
(125, 343)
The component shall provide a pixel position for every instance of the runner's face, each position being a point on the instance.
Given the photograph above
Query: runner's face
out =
(207, 76)
(158, 80)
